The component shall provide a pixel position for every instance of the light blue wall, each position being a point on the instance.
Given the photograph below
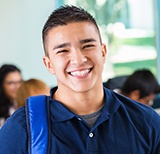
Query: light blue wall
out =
(21, 23)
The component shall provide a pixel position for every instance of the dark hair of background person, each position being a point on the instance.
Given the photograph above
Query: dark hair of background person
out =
(31, 87)
(142, 80)
(65, 15)
(5, 102)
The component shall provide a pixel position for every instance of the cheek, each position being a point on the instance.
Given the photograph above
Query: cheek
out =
(99, 59)
(58, 66)
(8, 91)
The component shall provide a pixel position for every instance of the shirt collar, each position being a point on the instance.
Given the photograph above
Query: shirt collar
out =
(111, 102)
(60, 113)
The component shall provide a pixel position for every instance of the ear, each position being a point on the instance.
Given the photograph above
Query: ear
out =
(104, 51)
(48, 64)
(135, 95)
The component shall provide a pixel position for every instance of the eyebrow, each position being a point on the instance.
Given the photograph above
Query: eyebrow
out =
(62, 45)
(69, 44)
(87, 40)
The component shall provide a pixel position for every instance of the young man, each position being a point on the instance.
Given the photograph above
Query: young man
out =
(85, 118)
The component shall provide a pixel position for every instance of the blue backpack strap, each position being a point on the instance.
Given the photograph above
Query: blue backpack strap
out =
(38, 124)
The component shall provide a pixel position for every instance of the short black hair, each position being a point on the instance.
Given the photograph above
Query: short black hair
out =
(64, 15)
(142, 80)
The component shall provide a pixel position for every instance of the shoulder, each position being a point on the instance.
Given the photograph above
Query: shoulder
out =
(19, 117)
(135, 111)
(16, 121)
(14, 133)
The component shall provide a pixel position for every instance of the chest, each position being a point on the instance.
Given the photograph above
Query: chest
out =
(109, 136)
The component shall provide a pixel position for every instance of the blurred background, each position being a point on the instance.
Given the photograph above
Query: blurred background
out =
(130, 28)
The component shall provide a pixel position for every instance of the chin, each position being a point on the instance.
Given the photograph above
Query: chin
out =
(81, 89)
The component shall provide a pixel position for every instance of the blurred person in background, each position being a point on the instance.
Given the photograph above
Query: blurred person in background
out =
(10, 80)
(141, 86)
(31, 87)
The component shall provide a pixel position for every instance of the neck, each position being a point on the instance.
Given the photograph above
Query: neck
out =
(81, 102)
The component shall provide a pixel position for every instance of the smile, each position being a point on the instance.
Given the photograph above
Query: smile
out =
(80, 73)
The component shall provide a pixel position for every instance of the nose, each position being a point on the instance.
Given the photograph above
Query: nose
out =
(78, 58)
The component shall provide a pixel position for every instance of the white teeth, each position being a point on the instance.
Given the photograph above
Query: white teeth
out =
(80, 73)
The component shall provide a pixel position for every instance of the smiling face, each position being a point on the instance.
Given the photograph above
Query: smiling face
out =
(76, 56)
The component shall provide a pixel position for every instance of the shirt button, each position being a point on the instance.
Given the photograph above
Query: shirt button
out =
(90, 134)
(79, 119)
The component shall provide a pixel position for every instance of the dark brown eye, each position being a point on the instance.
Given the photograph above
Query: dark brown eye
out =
(62, 51)
(88, 46)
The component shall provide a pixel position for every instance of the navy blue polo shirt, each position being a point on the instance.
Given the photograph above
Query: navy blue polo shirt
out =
(123, 127)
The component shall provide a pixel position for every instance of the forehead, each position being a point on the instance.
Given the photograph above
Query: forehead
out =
(13, 76)
(72, 32)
